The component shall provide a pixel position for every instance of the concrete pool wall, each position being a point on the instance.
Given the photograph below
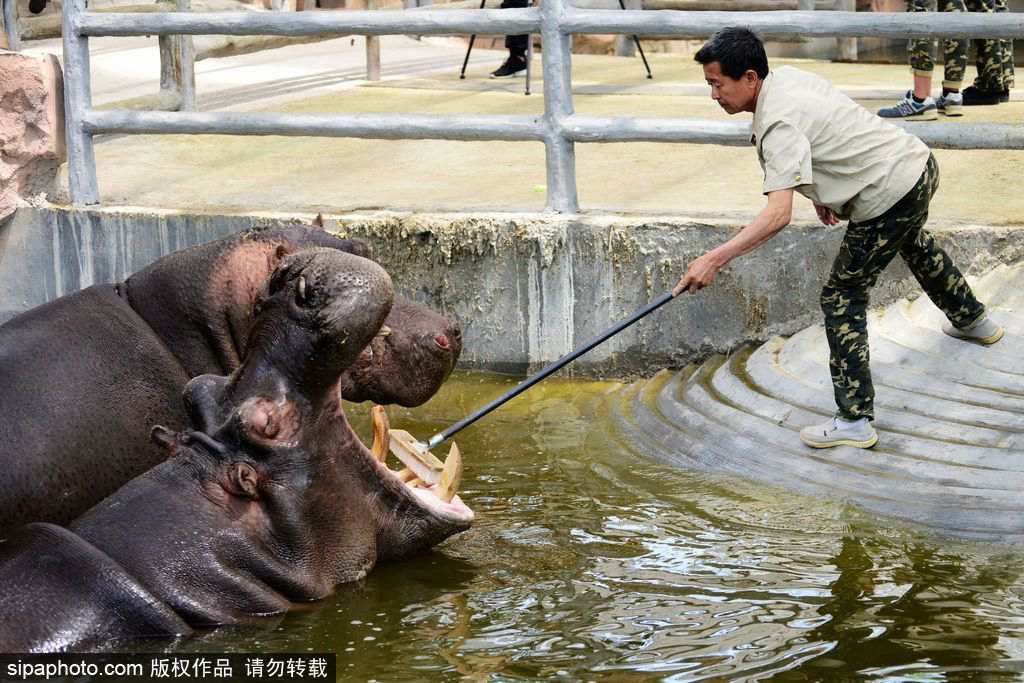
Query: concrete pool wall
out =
(527, 288)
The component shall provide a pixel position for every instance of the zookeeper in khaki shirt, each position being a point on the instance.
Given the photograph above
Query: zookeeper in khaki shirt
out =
(852, 165)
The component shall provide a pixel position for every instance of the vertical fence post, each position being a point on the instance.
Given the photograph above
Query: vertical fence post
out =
(11, 27)
(846, 48)
(187, 59)
(78, 100)
(178, 66)
(556, 56)
(372, 50)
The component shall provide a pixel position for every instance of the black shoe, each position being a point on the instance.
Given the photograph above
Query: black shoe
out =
(511, 67)
(975, 97)
(1004, 96)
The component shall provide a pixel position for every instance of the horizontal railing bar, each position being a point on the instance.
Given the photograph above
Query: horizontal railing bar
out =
(508, 128)
(768, 25)
(898, 25)
(619, 129)
(737, 133)
(370, 23)
(376, 126)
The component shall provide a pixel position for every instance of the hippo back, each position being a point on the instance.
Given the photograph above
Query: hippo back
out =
(84, 380)
(58, 592)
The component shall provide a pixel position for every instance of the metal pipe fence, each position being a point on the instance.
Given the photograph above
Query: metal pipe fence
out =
(559, 128)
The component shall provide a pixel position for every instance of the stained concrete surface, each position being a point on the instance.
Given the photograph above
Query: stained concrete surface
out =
(461, 225)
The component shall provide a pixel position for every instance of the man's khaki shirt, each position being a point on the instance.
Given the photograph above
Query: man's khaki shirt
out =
(812, 138)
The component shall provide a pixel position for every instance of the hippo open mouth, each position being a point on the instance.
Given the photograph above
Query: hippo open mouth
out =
(431, 483)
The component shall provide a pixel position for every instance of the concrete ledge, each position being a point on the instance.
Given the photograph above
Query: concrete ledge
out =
(526, 287)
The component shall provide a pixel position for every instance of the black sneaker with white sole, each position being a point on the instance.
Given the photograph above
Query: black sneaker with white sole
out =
(513, 65)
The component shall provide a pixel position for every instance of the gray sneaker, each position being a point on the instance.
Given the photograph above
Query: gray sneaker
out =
(840, 432)
(983, 331)
(910, 110)
(950, 104)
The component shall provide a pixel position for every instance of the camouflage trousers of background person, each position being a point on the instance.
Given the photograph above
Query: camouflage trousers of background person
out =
(994, 58)
(955, 51)
(866, 250)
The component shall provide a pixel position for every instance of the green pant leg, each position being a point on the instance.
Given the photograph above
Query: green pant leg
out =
(955, 51)
(989, 55)
(920, 49)
(934, 270)
(1006, 48)
(866, 250)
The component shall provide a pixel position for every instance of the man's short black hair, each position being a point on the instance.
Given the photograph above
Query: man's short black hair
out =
(736, 49)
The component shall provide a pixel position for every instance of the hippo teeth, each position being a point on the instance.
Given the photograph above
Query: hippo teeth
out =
(451, 475)
(381, 437)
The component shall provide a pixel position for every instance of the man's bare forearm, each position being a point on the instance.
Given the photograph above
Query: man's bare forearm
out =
(773, 218)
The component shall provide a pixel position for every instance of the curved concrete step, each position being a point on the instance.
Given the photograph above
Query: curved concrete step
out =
(728, 381)
(765, 371)
(950, 418)
(927, 394)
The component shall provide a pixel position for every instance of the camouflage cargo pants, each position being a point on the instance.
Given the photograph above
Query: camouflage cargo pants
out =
(994, 58)
(955, 51)
(866, 250)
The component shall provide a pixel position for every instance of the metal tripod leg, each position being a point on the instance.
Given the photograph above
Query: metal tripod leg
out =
(529, 61)
(472, 39)
(636, 41)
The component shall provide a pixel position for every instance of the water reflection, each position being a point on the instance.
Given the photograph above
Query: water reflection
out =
(592, 562)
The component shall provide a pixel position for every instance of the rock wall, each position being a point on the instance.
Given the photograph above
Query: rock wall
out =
(31, 128)
(527, 288)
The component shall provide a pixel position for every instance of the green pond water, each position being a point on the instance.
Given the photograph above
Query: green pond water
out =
(589, 561)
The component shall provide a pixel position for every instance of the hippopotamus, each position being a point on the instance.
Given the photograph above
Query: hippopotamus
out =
(276, 504)
(82, 378)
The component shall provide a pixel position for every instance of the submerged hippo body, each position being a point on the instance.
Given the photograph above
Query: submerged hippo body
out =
(276, 504)
(84, 377)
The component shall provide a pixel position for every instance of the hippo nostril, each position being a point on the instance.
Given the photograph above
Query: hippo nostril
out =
(442, 341)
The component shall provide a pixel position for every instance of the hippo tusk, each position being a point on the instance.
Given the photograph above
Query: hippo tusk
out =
(451, 475)
(381, 437)
(385, 331)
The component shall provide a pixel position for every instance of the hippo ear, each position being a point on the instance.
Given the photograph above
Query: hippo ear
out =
(318, 222)
(165, 438)
(243, 480)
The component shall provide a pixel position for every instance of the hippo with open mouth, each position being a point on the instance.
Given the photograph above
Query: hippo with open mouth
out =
(274, 501)
(84, 377)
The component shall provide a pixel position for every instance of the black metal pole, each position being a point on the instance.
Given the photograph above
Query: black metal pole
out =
(541, 374)
(472, 39)
(636, 41)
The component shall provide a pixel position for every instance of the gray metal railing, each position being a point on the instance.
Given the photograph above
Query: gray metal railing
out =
(11, 26)
(559, 128)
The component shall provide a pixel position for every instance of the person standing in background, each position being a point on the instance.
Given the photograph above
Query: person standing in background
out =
(516, 45)
(918, 104)
(994, 62)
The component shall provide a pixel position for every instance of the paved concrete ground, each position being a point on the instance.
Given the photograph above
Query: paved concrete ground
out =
(248, 174)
